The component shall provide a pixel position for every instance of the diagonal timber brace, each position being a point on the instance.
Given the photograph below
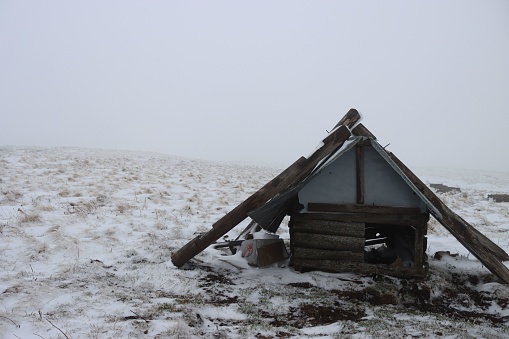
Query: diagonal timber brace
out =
(287, 179)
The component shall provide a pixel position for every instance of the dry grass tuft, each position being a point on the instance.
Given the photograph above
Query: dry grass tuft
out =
(30, 217)
(46, 208)
(64, 193)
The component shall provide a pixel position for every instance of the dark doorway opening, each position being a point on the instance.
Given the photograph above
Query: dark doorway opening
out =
(389, 244)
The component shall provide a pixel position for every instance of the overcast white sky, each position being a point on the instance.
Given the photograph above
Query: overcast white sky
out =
(258, 81)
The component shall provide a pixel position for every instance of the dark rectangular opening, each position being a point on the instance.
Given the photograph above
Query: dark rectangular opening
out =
(389, 244)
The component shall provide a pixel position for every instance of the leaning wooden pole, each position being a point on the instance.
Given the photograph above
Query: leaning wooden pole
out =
(489, 253)
(291, 176)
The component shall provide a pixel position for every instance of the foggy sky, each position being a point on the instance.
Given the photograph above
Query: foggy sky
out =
(258, 81)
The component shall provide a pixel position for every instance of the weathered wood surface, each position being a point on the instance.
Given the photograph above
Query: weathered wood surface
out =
(325, 207)
(317, 254)
(350, 119)
(345, 266)
(288, 178)
(272, 253)
(477, 243)
(328, 242)
(347, 229)
(376, 218)
(420, 246)
(359, 173)
(361, 131)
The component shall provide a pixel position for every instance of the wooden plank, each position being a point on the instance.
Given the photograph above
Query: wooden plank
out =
(344, 208)
(290, 177)
(350, 119)
(328, 242)
(417, 220)
(344, 266)
(419, 250)
(347, 229)
(478, 244)
(376, 241)
(359, 166)
(361, 131)
(319, 254)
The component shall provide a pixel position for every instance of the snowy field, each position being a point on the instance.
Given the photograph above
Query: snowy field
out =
(86, 238)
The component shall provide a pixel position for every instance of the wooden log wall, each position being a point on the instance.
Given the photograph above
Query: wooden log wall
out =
(332, 242)
(367, 214)
(319, 240)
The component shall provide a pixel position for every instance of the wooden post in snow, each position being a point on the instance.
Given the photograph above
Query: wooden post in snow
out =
(477, 243)
(292, 175)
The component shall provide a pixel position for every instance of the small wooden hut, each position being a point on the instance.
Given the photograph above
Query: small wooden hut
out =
(355, 207)
(355, 212)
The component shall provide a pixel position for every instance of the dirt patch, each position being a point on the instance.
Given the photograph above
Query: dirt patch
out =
(279, 334)
(214, 279)
(323, 315)
(456, 301)
(456, 298)
(369, 294)
(301, 285)
(222, 299)
(307, 315)
(213, 283)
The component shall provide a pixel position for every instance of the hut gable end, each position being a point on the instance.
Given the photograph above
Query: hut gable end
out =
(337, 183)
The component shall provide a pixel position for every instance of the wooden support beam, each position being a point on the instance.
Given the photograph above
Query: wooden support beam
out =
(237, 215)
(345, 208)
(418, 220)
(362, 131)
(350, 120)
(317, 226)
(287, 179)
(370, 242)
(359, 171)
(419, 249)
(477, 243)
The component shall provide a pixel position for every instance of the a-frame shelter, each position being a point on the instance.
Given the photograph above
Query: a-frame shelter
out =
(272, 202)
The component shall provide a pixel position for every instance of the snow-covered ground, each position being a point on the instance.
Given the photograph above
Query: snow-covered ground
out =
(86, 238)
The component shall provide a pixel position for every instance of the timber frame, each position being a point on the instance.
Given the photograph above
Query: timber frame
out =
(336, 242)
(281, 190)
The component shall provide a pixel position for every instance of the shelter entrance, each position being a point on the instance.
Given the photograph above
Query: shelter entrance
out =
(390, 244)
